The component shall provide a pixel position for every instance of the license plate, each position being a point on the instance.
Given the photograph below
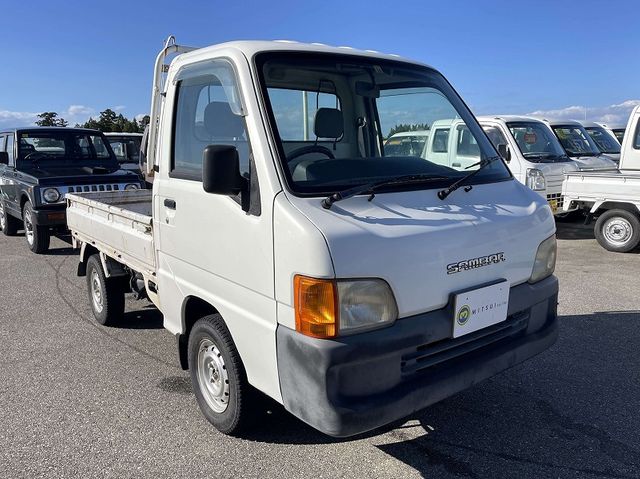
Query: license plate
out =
(553, 204)
(479, 308)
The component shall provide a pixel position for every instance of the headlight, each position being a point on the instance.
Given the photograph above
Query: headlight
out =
(545, 262)
(326, 308)
(535, 179)
(132, 186)
(51, 195)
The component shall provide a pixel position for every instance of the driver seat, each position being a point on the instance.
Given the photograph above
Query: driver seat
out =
(328, 124)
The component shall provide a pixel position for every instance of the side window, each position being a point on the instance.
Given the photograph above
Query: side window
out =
(467, 144)
(441, 141)
(208, 111)
(295, 111)
(636, 141)
(495, 135)
(9, 149)
(2, 138)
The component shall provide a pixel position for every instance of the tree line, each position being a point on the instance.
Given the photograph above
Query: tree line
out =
(107, 121)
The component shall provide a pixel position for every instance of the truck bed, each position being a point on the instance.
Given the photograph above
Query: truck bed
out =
(599, 186)
(118, 223)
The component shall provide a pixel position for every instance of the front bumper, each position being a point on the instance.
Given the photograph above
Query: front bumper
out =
(51, 216)
(357, 383)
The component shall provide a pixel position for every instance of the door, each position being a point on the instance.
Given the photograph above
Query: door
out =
(9, 189)
(209, 247)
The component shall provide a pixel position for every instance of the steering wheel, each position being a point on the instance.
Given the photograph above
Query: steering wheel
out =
(40, 154)
(310, 149)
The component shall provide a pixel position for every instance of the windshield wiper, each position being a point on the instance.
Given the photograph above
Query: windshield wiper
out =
(442, 194)
(371, 187)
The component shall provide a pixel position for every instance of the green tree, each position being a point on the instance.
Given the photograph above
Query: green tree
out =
(50, 118)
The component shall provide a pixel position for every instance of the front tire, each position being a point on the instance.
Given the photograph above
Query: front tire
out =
(618, 231)
(218, 376)
(8, 224)
(38, 237)
(106, 295)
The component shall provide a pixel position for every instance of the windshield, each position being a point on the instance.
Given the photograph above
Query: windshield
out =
(619, 132)
(340, 121)
(63, 146)
(126, 148)
(536, 142)
(605, 142)
(576, 141)
(405, 145)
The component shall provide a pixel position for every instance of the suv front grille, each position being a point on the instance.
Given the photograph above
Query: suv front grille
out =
(89, 188)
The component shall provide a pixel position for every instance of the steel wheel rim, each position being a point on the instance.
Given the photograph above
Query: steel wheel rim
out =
(617, 231)
(96, 291)
(28, 227)
(3, 220)
(213, 378)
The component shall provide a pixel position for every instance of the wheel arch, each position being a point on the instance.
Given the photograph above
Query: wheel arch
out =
(193, 308)
(600, 208)
(86, 251)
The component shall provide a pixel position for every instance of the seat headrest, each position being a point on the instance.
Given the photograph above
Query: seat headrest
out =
(328, 123)
(220, 122)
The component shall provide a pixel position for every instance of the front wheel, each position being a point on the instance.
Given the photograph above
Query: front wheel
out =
(218, 376)
(618, 231)
(38, 237)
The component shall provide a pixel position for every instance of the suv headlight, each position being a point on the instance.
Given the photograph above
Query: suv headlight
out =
(328, 308)
(132, 186)
(545, 262)
(535, 179)
(51, 195)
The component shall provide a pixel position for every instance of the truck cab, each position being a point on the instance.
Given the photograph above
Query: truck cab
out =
(40, 166)
(535, 157)
(579, 145)
(290, 252)
(604, 138)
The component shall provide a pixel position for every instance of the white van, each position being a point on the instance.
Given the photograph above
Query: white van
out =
(579, 145)
(351, 286)
(534, 155)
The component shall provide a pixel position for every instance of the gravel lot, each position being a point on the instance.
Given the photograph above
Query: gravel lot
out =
(81, 400)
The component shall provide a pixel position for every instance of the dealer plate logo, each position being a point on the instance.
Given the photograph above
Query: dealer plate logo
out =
(464, 314)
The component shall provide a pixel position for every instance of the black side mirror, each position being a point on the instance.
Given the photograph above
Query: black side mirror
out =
(4, 158)
(221, 171)
(504, 152)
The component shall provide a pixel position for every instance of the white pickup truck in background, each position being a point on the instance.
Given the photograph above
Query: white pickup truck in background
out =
(613, 196)
(534, 155)
(353, 287)
(604, 139)
(579, 145)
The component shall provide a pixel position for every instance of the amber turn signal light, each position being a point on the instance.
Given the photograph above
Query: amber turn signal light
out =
(316, 307)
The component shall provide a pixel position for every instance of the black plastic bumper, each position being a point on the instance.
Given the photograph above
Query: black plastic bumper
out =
(50, 216)
(357, 383)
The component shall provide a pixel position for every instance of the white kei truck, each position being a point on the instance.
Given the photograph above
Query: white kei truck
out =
(353, 287)
(533, 153)
(612, 196)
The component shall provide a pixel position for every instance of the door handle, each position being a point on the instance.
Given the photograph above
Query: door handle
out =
(171, 204)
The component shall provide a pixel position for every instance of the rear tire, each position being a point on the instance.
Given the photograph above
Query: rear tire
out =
(218, 376)
(38, 237)
(618, 231)
(106, 295)
(8, 224)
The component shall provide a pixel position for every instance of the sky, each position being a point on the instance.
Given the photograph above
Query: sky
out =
(560, 59)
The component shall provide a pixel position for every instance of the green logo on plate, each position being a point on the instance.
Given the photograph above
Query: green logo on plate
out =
(463, 315)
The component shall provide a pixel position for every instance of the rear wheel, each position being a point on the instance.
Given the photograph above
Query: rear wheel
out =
(38, 237)
(618, 230)
(8, 224)
(106, 295)
(218, 376)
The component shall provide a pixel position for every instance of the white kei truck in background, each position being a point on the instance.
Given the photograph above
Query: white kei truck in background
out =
(612, 196)
(352, 287)
(534, 155)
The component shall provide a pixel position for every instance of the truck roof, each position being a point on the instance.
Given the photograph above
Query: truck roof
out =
(116, 133)
(47, 128)
(251, 47)
(563, 122)
(509, 118)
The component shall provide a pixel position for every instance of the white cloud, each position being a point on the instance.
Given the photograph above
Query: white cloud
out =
(16, 118)
(140, 116)
(611, 114)
(77, 110)
(119, 108)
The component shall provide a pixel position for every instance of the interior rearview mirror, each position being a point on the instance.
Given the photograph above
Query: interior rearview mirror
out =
(221, 171)
(4, 158)
(504, 152)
